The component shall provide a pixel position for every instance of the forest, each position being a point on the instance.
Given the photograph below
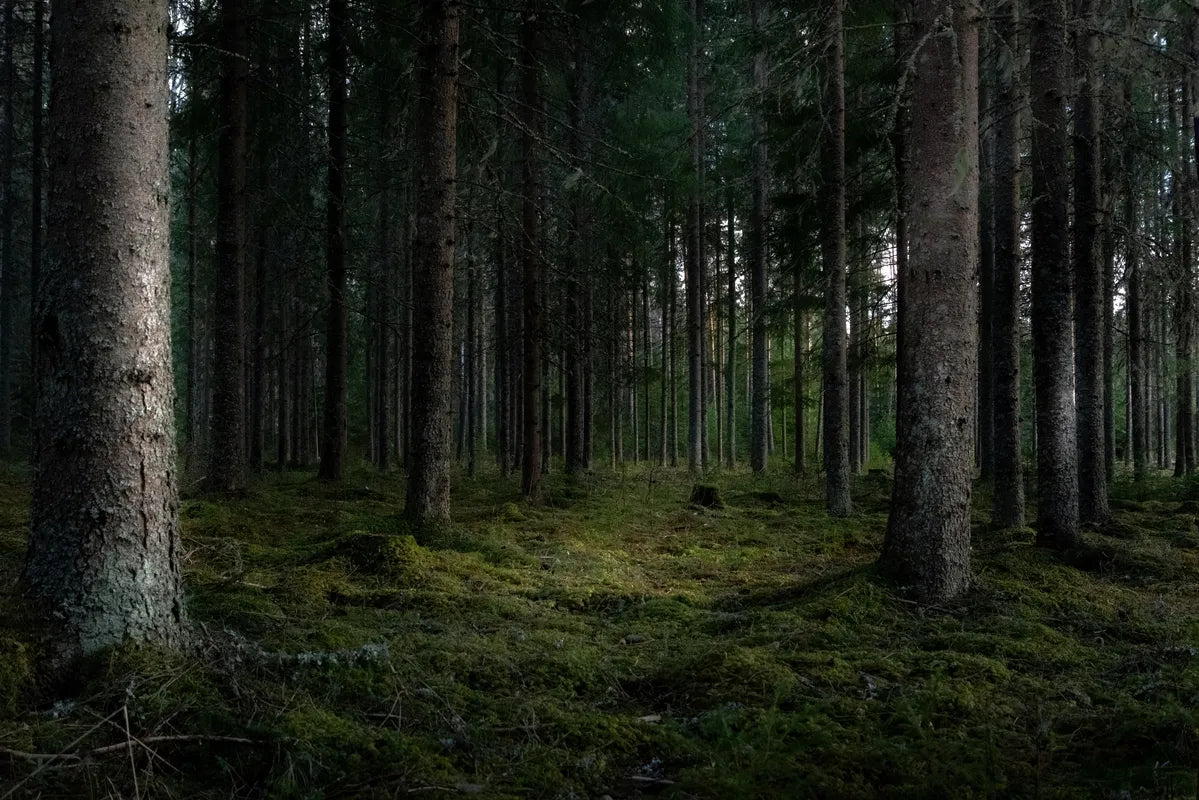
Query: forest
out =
(599, 399)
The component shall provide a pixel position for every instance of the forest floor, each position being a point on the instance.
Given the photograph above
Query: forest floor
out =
(618, 641)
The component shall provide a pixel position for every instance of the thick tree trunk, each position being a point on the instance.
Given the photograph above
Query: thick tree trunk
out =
(105, 558)
(832, 248)
(1053, 352)
(1007, 510)
(334, 431)
(927, 547)
(428, 505)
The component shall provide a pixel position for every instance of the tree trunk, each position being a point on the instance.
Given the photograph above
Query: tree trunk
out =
(695, 415)
(1007, 509)
(832, 248)
(334, 432)
(927, 547)
(428, 505)
(105, 558)
(531, 239)
(227, 462)
(1138, 373)
(1088, 272)
(8, 265)
(37, 161)
(1053, 353)
(760, 402)
(985, 444)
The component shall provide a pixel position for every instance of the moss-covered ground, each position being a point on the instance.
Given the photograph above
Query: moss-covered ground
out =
(617, 641)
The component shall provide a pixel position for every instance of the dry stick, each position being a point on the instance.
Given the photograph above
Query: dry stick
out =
(137, 792)
(109, 749)
(48, 759)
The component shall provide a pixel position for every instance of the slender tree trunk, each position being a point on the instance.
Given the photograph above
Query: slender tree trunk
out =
(8, 265)
(832, 247)
(985, 444)
(1007, 509)
(1088, 271)
(37, 170)
(1137, 369)
(730, 370)
(105, 558)
(428, 503)
(227, 463)
(334, 432)
(258, 376)
(385, 291)
(531, 238)
(760, 402)
(927, 547)
(674, 316)
(579, 258)
(1053, 353)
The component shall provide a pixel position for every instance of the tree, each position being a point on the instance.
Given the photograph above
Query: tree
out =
(433, 264)
(693, 261)
(928, 535)
(832, 249)
(760, 402)
(1007, 510)
(333, 444)
(532, 288)
(8, 265)
(1088, 271)
(104, 556)
(227, 462)
(1053, 353)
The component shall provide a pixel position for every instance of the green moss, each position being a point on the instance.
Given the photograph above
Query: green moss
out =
(561, 649)
(16, 674)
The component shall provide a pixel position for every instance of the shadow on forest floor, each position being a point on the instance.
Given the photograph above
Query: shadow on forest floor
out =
(617, 641)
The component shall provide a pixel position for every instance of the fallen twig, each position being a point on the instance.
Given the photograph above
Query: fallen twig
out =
(120, 747)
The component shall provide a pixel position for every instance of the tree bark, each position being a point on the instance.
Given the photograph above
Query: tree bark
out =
(104, 559)
(760, 402)
(1088, 271)
(832, 248)
(226, 466)
(428, 504)
(8, 265)
(334, 430)
(1053, 352)
(927, 546)
(37, 169)
(531, 240)
(695, 393)
(1007, 509)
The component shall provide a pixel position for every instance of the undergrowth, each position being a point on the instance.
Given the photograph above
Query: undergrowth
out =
(616, 641)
